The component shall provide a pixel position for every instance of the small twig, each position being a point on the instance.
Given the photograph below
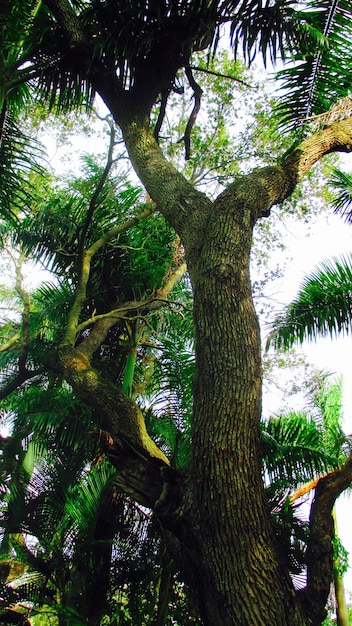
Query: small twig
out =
(161, 116)
(197, 93)
(220, 75)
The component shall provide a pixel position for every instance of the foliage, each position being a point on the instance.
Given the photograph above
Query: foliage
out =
(323, 305)
(342, 182)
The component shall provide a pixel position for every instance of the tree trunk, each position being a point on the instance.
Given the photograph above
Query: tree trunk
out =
(241, 579)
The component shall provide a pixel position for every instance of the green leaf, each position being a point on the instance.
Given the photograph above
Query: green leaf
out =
(322, 307)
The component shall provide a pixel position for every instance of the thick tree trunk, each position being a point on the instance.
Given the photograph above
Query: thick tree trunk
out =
(219, 513)
(241, 578)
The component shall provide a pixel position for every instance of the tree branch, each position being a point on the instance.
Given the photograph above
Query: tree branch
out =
(25, 339)
(10, 343)
(334, 138)
(121, 417)
(319, 551)
(69, 22)
(19, 379)
(98, 189)
(219, 75)
(103, 323)
(197, 94)
(263, 187)
(80, 293)
(184, 207)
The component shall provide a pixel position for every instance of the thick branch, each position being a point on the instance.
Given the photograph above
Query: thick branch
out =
(121, 417)
(334, 138)
(266, 186)
(319, 552)
(184, 207)
(69, 22)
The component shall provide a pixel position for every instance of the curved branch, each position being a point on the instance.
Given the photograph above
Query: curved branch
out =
(80, 293)
(121, 417)
(183, 206)
(266, 186)
(197, 93)
(334, 138)
(319, 551)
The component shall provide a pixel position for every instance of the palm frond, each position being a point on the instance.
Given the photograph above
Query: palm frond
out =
(84, 500)
(272, 29)
(322, 307)
(320, 76)
(19, 155)
(342, 182)
(293, 451)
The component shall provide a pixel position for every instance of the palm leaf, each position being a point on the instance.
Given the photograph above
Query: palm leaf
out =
(323, 306)
(342, 182)
(293, 451)
(85, 498)
(319, 77)
(272, 29)
(19, 155)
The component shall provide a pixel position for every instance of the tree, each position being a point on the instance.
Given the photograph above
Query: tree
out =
(215, 512)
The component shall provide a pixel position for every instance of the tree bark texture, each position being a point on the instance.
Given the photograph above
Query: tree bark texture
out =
(228, 493)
